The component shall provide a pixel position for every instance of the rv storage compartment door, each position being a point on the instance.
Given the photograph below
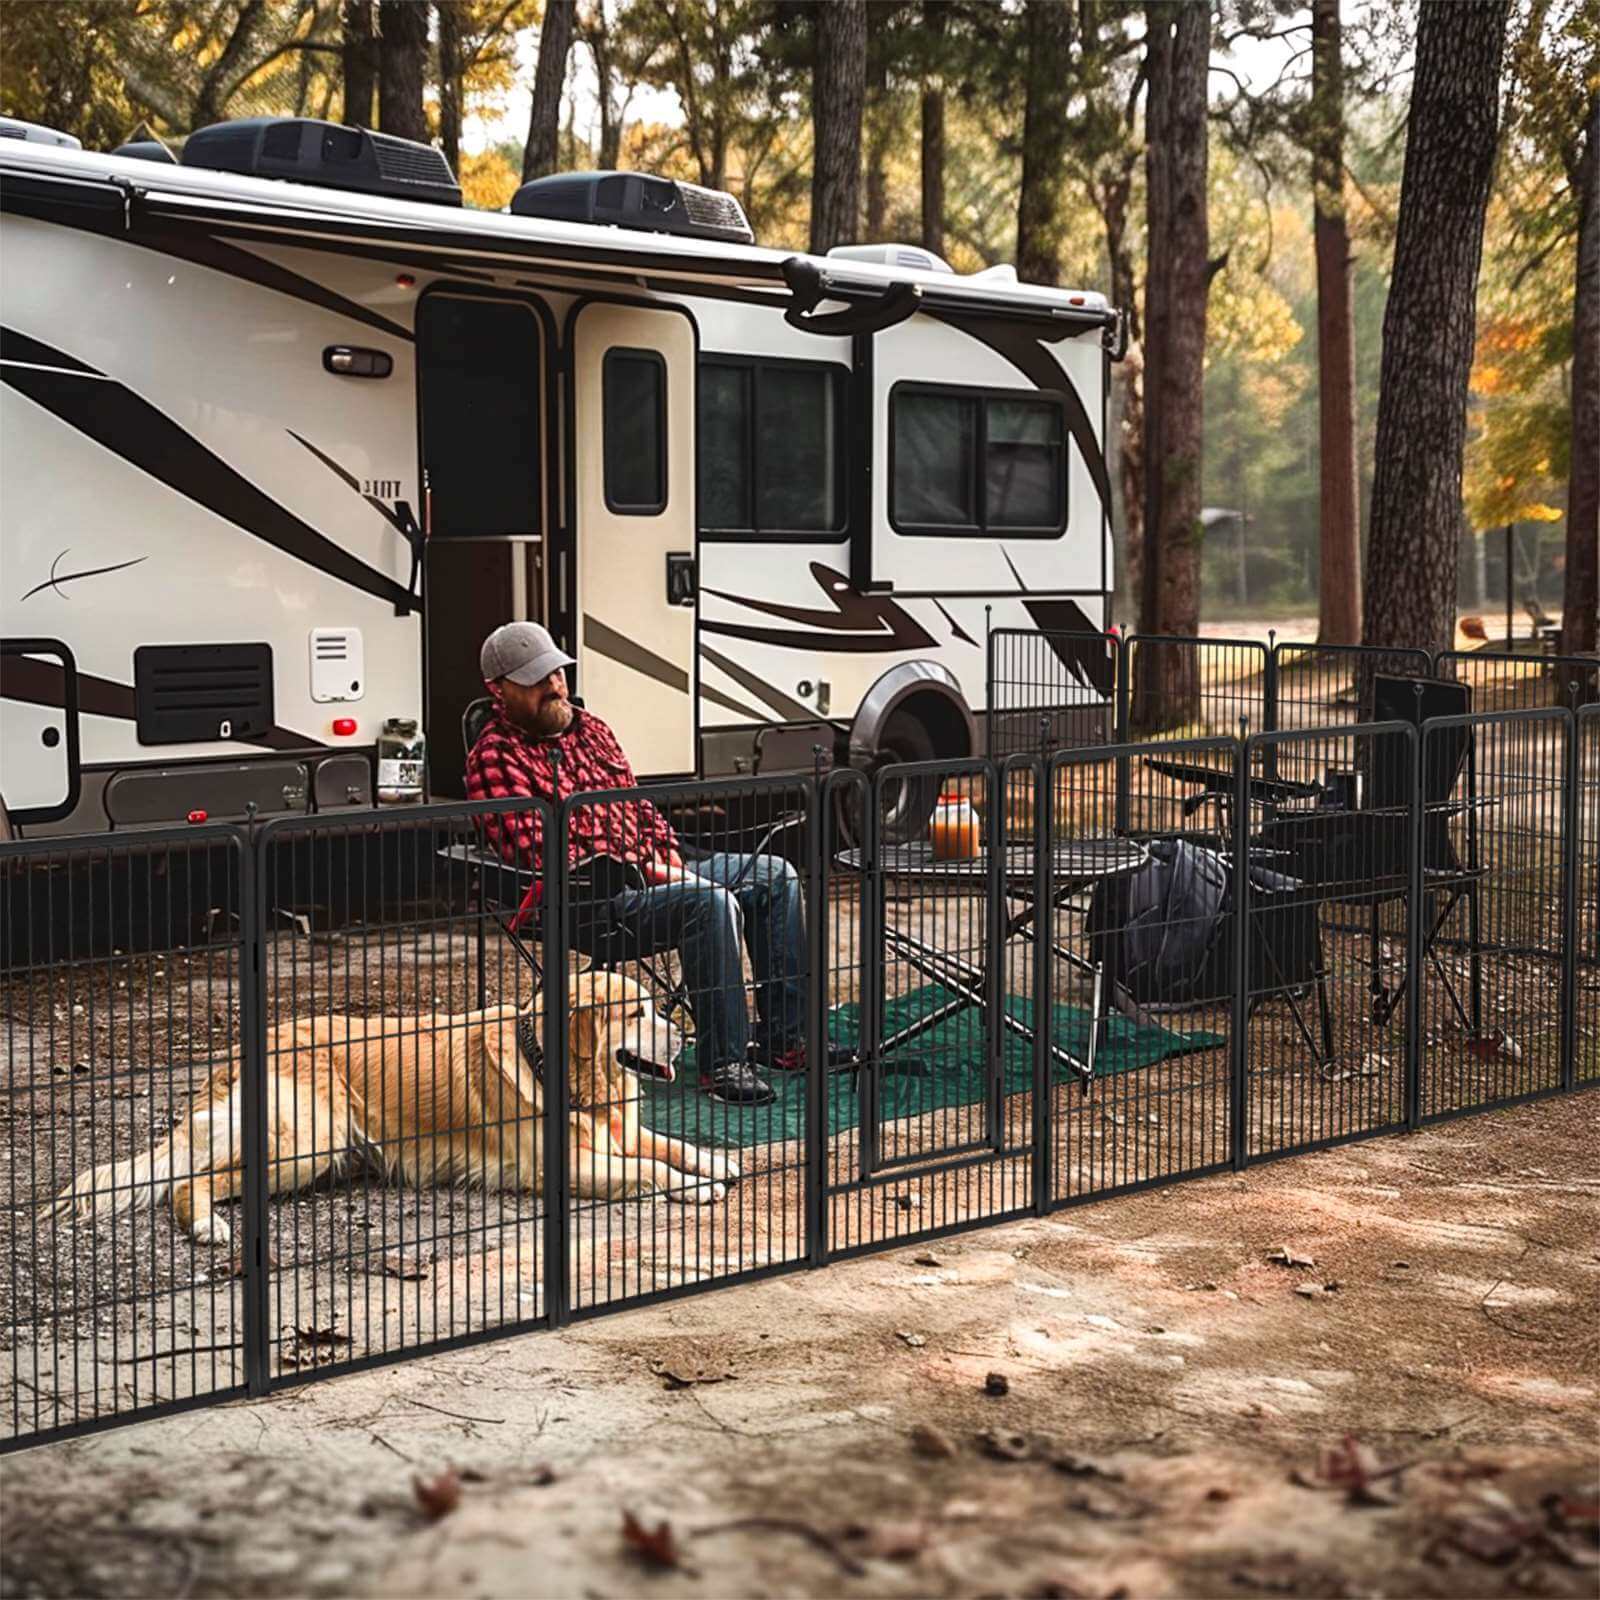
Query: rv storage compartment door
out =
(634, 398)
(980, 484)
(154, 795)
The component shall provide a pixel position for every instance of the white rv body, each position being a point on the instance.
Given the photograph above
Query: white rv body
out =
(207, 515)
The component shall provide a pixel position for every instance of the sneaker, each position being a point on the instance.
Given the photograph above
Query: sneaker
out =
(737, 1083)
(840, 1058)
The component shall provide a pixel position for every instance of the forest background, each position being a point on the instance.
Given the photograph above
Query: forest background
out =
(980, 117)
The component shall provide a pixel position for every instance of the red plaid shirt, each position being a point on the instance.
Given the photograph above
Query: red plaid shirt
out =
(505, 761)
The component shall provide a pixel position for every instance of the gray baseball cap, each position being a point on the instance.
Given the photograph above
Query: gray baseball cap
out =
(523, 652)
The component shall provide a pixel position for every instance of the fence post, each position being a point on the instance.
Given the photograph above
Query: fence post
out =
(1239, 1042)
(1044, 1013)
(871, 961)
(819, 1081)
(988, 681)
(557, 1144)
(1122, 661)
(1269, 703)
(1416, 733)
(1571, 856)
(994, 886)
(252, 858)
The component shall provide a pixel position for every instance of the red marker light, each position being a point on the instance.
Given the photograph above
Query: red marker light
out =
(405, 280)
(344, 726)
(197, 816)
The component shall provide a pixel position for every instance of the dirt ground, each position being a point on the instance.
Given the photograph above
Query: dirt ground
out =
(1181, 1418)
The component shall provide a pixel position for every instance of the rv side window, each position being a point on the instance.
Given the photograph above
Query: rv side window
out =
(771, 448)
(634, 395)
(964, 461)
(478, 371)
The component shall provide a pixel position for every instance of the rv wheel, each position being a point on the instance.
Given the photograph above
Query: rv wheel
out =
(907, 803)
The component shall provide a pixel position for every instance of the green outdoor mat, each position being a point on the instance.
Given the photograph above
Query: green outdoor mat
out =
(948, 1063)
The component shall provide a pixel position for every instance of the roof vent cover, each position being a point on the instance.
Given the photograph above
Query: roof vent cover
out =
(307, 151)
(891, 255)
(635, 200)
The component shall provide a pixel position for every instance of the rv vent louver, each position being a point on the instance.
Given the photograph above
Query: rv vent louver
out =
(199, 693)
(635, 200)
(306, 151)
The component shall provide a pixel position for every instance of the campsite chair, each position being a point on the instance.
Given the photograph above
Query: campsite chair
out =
(1360, 856)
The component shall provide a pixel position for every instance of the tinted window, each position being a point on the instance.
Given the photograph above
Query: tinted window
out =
(935, 460)
(634, 400)
(771, 447)
(970, 462)
(725, 466)
(478, 365)
(796, 430)
(1022, 464)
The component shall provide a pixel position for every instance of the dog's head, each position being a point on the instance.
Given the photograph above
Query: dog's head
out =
(615, 1024)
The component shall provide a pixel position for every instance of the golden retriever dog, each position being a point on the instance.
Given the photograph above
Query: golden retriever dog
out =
(441, 1099)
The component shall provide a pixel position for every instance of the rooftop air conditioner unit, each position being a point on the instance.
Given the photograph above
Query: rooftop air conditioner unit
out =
(635, 200)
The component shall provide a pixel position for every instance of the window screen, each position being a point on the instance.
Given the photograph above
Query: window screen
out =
(478, 365)
(634, 403)
(968, 462)
(771, 447)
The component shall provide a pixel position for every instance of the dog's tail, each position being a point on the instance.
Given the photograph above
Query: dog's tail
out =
(136, 1183)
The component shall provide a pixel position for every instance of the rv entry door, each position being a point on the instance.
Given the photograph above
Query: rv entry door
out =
(634, 476)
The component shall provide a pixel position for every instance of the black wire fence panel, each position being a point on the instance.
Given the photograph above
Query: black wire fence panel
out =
(1326, 875)
(1139, 949)
(1053, 691)
(1584, 940)
(1494, 908)
(931, 1126)
(123, 985)
(1503, 682)
(1187, 688)
(349, 1088)
(1331, 686)
(401, 1134)
(692, 1060)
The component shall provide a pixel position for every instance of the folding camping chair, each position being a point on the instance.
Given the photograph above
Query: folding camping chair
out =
(1360, 855)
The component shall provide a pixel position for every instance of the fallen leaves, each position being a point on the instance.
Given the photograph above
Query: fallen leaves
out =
(1283, 1256)
(313, 1346)
(409, 1269)
(915, 1340)
(656, 1547)
(673, 1381)
(1000, 1444)
(935, 1443)
(437, 1497)
(1356, 1469)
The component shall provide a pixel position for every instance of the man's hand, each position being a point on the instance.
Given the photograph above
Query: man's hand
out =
(668, 869)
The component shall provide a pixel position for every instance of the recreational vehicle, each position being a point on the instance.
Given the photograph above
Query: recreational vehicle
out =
(285, 430)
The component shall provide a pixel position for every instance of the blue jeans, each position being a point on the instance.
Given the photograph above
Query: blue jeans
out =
(750, 901)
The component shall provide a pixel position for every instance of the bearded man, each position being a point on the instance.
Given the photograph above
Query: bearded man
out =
(538, 744)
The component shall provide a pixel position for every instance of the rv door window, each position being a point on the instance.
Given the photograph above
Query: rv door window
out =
(975, 462)
(771, 448)
(634, 402)
(478, 370)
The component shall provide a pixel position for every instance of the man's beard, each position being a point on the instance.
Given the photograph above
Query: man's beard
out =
(553, 717)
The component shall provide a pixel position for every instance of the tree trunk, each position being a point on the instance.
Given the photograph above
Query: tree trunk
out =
(210, 102)
(1339, 584)
(541, 154)
(449, 15)
(1428, 325)
(597, 31)
(880, 133)
(1177, 283)
(402, 68)
(1580, 602)
(836, 102)
(934, 16)
(359, 56)
(1047, 29)
(1112, 200)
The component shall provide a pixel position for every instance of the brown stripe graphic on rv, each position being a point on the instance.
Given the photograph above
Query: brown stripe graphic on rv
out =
(854, 622)
(45, 203)
(44, 683)
(114, 416)
(791, 710)
(597, 636)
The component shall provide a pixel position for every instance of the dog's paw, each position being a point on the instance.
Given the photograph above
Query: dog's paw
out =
(719, 1166)
(211, 1230)
(697, 1192)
